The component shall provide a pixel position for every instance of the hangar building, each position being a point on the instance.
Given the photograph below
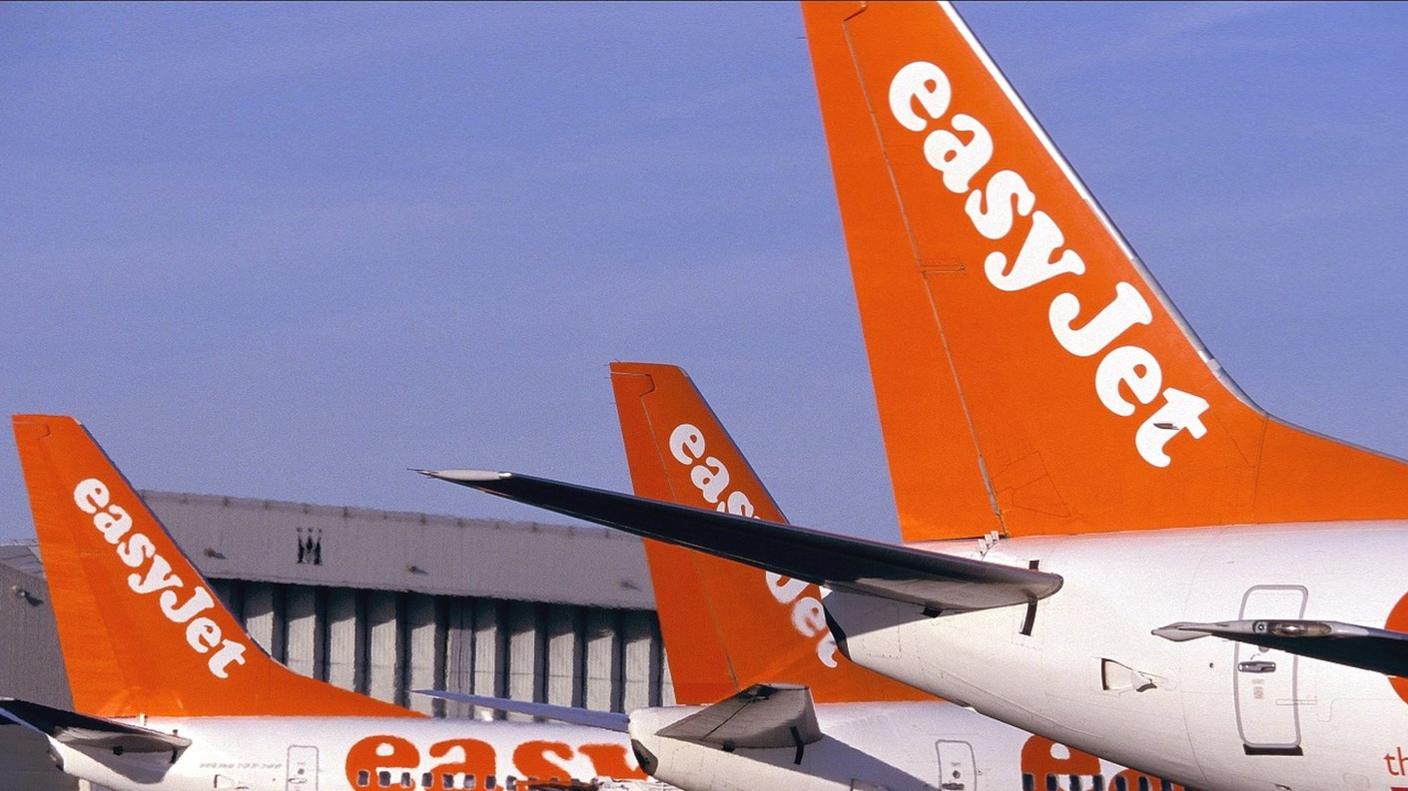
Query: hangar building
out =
(384, 603)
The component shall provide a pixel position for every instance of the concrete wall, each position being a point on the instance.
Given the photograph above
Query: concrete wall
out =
(31, 667)
(297, 543)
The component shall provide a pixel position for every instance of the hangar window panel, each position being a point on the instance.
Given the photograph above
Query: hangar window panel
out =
(527, 660)
(565, 660)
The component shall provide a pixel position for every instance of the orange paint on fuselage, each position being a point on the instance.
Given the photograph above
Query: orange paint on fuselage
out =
(533, 760)
(1039, 760)
(1398, 622)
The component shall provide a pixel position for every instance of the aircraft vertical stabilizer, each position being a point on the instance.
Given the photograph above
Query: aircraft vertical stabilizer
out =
(726, 625)
(140, 629)
(1031, 376)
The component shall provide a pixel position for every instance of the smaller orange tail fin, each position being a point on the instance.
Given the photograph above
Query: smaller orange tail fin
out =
(140, 630)
(725, 625)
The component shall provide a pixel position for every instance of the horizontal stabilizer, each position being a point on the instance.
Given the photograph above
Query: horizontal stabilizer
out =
(77, 730)
(606, 720)
(761, 716)
(938, 582)
(1363, 647)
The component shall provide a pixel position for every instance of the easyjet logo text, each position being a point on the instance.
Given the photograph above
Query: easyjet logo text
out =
(154, 576)
(710, 476)
(385, 760)
(920, 93)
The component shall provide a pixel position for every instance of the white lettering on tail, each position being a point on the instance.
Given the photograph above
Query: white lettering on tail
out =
(921, 92)
(710, 476)
(132, 549)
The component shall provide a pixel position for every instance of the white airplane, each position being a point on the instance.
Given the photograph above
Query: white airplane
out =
(727, 626)
(1109, 544)
(171, 694)
(158, 712)
(795, 714)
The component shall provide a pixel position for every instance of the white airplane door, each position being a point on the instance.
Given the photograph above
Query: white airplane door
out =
(1264, 680)
(302, 769)
(957, 769)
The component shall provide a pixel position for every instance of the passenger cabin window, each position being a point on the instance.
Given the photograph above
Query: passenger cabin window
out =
(511, 783)
(489, 781)
(448, 781)
(364, 778)
(1028, 781)
(407, 781)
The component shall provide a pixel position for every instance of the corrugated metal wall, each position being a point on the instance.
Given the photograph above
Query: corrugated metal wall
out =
(387, 644)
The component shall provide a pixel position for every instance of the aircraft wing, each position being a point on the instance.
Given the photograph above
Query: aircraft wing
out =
(763, 715)
(936, 582)
(78, 730)
(607, 720)
(1363, 647)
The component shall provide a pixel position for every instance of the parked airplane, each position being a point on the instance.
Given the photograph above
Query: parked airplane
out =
(734, 626)
(171, 694)
(1037, 388)
(734, 633)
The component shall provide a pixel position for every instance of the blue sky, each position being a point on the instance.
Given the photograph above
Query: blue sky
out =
(288, 251)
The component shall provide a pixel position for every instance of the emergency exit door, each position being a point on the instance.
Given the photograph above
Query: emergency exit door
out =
(957, 770)
(1264, 679)
(302, 769)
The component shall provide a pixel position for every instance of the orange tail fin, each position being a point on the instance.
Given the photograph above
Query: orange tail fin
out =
(1031, 376)
(140, 629)
(725, 625)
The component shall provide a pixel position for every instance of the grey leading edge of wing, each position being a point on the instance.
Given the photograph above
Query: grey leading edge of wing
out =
(606, 720)
(938, 583)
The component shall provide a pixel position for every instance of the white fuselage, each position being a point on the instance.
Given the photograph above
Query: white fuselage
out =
(911, 746)
(1208, 713)
(350, 754)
